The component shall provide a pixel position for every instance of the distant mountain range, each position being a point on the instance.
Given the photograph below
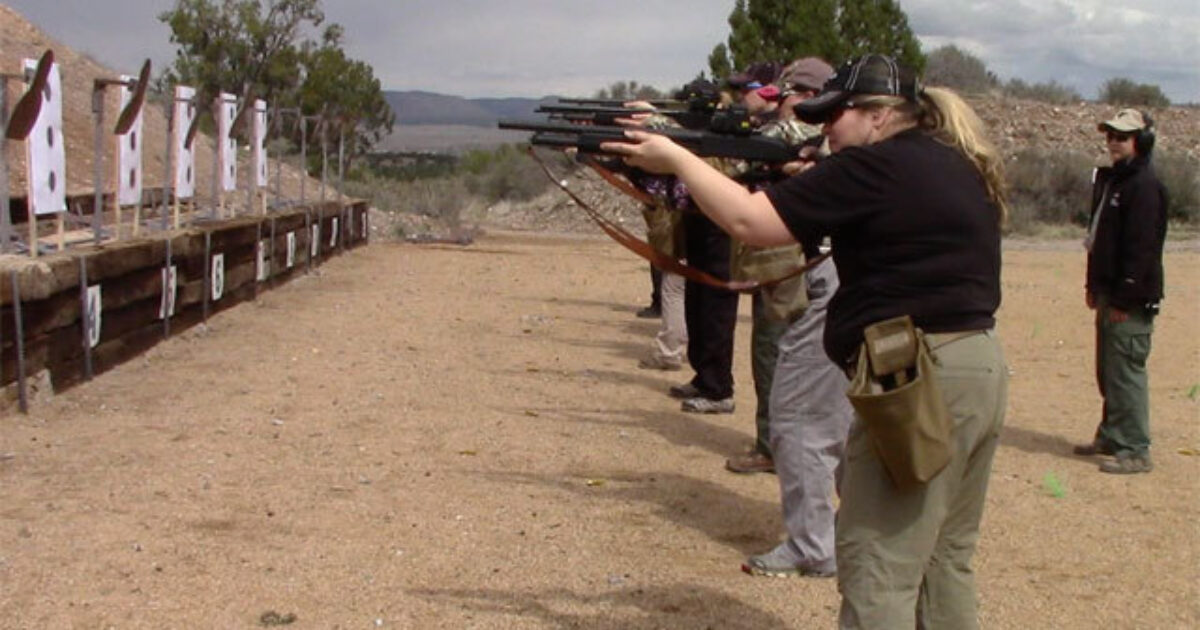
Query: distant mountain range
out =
(429, 108)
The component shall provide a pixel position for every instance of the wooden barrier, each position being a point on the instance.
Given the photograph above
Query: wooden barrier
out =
(130, 276)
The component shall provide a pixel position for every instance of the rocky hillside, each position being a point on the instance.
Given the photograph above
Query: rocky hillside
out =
(1018, 124)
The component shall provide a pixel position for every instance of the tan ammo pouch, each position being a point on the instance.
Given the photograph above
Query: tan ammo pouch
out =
(895, 392)
(783, 301)
(664, 230)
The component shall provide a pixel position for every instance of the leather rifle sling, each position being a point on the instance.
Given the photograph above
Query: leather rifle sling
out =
(645, 250)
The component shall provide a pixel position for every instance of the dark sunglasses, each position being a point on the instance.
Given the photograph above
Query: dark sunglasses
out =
(1118, 136)
(841, 109)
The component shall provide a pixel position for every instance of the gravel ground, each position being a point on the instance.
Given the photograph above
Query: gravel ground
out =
(437, 436)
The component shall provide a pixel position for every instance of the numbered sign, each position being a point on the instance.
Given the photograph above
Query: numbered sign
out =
(333, 234)
(218, 276)
(46, 153)
(170, 285)
(91, 317)
(291, 249)
(260, 141)
(185, 158)
(315, 241)
(226, 112)
(129, 154)
(260, 263)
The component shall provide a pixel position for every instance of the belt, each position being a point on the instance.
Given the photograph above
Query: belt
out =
(937, 340)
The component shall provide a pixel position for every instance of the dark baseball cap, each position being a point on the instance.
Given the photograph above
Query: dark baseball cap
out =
(870, 74)
(698, 89)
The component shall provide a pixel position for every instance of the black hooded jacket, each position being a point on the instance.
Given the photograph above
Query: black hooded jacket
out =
(1125, 257)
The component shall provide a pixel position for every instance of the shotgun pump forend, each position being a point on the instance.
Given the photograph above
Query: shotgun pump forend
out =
(732, 120)
(587, 138)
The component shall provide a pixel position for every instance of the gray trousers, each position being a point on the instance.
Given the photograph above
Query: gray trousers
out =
(670, 344)
(810, 417)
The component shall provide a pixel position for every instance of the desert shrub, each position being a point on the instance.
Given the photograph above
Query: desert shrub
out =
(1121, 91)
(1048, 187)
(506, 174)
(953, 67)
(441, 199)
(1050, 92)
(1180, 173)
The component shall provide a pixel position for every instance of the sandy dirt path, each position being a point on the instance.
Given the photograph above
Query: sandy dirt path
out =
(444, 437)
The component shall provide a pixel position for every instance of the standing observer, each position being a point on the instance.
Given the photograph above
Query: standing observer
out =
(912, 200)
(1124, 286)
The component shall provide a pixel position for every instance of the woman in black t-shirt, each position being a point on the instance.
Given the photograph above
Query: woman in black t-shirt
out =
(912, 201)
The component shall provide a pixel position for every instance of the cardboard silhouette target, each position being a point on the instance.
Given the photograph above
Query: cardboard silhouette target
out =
(45, 150)
(129, 151)
(185, 157)
(260, 142)
(226, 112)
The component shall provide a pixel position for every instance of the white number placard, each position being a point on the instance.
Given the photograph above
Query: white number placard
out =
(185, 158)
(315, 241)
(260, 263)
(291, 249)
(46, 151)
(95, 306)
(218, 276)
(129, 154)
(170, 285)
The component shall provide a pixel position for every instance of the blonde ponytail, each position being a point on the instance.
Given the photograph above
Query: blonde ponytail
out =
(953, 121)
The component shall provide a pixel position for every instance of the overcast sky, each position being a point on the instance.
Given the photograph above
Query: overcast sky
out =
(533, 48)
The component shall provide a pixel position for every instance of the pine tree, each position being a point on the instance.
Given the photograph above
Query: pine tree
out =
(777, 30)
(878, 26)
(835, 30)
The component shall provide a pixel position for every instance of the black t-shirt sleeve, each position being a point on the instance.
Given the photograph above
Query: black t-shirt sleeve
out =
(843, 189)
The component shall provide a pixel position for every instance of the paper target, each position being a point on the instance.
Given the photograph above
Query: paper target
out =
(260, 141)
(291, 249)
(46, 150)
(226, 112)
(170, 285)
(92, 315)
(185, 158)
(260, 263)
(129, 154)
(218, 276)
(315, 241)
(333, 234)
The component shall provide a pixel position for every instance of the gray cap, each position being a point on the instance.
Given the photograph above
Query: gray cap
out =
(1126, 121)
(807, 73)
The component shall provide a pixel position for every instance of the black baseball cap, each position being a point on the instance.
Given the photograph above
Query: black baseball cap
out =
(869, 74)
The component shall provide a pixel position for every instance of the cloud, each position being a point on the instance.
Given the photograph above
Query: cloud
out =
(539, 47)
(1081, 43)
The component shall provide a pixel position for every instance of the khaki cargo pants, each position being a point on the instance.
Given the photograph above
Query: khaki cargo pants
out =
(904, 559)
